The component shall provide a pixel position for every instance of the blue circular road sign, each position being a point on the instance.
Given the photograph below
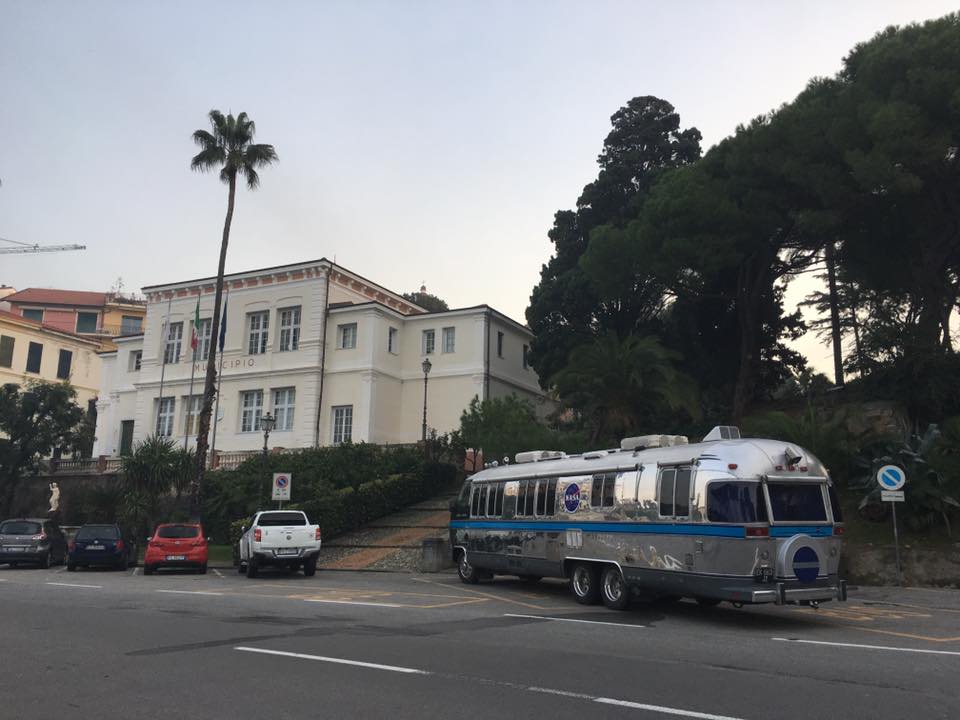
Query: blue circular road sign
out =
(891, 477)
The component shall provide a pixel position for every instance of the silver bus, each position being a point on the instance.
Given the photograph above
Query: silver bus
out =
(725, 519)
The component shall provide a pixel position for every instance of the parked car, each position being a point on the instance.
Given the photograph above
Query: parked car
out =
(281, 538)
(101, 545)
(32, 540)
(176, 545)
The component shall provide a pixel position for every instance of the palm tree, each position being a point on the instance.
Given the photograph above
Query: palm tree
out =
(619, 384)
(230, 149)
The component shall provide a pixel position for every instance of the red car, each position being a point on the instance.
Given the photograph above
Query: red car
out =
(176, 545)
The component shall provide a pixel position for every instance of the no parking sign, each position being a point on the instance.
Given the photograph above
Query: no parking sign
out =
(281, 486)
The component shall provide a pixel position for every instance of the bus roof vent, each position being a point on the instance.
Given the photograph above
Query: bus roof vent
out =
(594, 455)
(538, 456)
(723, 432)
(641, 442)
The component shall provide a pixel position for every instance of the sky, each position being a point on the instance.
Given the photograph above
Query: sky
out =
(419, 142)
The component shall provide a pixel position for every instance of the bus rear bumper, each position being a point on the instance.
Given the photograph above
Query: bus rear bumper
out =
(782, 593)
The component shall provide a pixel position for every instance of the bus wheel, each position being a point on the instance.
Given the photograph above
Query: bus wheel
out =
(616, 594)
(466, 571)
(585, 584)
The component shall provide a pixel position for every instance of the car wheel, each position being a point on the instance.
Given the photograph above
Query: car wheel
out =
(585, 583)
(203, 569)
(310, 567)
(252, 568)
(71, 567)
(148, 569)
(614, 590)
(467, 572)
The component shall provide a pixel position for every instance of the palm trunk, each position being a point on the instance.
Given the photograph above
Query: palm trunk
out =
(209, 385)
(836, 336)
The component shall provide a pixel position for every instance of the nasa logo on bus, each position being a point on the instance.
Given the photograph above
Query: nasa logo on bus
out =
(806, 564)
(571, 497)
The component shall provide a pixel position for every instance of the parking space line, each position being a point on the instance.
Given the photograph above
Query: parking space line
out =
(76, 585)
(924, 651)
(60, 570)
(189, 592)
(487, 595)
(574, 620)
(217, 572)
(663, 709)
(356, 602)
(135, 571)
(338, 661)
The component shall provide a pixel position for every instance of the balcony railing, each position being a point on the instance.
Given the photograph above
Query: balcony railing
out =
(93, 466)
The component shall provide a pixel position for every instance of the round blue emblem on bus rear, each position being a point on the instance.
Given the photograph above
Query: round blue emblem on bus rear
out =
(806, 564)
(571, 497)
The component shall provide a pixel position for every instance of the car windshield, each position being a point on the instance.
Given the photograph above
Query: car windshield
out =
(178, 531)
(797, 502)
(98, 532)
(735, 502)
(281, 518)
(19, 527)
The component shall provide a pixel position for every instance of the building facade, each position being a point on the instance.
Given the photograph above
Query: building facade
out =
(30, 350)
(333, 356)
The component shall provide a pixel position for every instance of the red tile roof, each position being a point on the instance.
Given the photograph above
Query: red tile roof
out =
(44, 296)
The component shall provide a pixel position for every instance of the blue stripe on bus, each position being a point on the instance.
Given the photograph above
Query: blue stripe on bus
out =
(608, 527)
(789, 530)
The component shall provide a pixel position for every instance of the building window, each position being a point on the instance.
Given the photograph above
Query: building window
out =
(87, 322)
(673, 492)
(602, 492)
(130, 324)
(289, 329)
(6, 351)
(34, 356)
(259, 324)
(203, 340)
(133, 364)
(342, 424)
(251, 409)
(165, 416)
(429, 342)
(284, 400)
(347, 336)
(499, 344)
(171, 351)
(63, 365)
(526, 350)
(35, 314)
(449, 339)
(392, 337)
(191, 408)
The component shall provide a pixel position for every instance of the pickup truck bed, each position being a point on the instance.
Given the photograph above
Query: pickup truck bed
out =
(280, 538)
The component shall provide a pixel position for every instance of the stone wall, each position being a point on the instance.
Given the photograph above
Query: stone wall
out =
(83, 498)
(876, 565)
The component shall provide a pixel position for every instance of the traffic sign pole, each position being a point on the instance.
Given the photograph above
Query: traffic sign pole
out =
(896, 544)
(891, 479)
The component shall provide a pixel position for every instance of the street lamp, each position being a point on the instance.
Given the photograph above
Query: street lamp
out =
(267, 423)
(426, 371)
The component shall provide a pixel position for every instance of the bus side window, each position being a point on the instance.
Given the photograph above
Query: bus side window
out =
(498, 504)
(681, 501)
(552, 497)
(528, 505)
(541, 498)
(475, 502)
(482, 509)
(665, 490)
(602, 491)
(521, 498)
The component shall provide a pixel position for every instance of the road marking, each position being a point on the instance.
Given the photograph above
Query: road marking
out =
(189, 592)
(60, 570)
(868, 647)
(573, 620)
(356, 602)
(564, 693)
(78, 585)
(338, 661)
(135, 571)
(217, 572)
(486, 595)
(663, 709)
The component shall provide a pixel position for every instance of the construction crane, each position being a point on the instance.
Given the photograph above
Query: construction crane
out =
(23, 248)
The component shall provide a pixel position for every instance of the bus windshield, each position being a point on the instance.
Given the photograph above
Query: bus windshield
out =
(797, 502)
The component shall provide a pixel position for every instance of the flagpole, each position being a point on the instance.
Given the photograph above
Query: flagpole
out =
(165, 330)
(220, 342)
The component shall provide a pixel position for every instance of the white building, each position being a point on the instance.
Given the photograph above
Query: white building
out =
(332, 355)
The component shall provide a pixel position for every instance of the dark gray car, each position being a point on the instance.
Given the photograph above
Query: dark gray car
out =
(32, 541)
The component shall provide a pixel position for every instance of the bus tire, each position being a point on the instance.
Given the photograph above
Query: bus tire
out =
(614, 589)
(585, 583)
(467, 572)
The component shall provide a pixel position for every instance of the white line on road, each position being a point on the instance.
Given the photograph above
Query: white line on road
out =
(564, 693)
(573, 620)
(869, 647)
(135, 571)
(94, 587)
(60, 570)
(217, 572)
(353, 602)
(663, 709)
(338, 661)
(189, 592)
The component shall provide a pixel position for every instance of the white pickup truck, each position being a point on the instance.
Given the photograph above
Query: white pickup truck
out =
(280, 538)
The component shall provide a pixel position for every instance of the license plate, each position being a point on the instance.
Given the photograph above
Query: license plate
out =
(176, 557)
(288, 551)
(94, 547)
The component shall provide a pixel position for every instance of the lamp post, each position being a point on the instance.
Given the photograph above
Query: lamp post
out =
(267, 423)
(426, 371)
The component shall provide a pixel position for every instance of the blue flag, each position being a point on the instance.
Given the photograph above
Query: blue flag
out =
(223, 322)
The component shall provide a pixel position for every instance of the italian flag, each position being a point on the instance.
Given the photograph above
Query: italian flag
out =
(195, 335)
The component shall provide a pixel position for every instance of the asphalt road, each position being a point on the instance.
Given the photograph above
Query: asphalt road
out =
(106, 644)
